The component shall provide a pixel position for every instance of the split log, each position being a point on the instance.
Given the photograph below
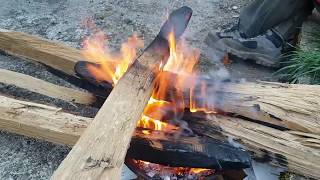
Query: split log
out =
(51, 124)
(297, 151)
(42, 87)
(101, 150)
(47, 52)
(40, 121)
(288, 106)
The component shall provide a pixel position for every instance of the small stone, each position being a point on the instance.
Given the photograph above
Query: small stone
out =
(234, 7)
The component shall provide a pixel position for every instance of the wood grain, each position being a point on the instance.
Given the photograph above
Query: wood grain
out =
(42, 87)
(53, 54)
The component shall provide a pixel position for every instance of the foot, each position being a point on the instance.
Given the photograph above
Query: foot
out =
(264, 49)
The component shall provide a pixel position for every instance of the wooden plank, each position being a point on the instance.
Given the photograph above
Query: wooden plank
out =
(101, 150)
(42, 87)
(53, 54)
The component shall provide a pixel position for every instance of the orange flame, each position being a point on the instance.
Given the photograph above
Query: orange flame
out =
(112, 66)
(182, 59)
(181, 62)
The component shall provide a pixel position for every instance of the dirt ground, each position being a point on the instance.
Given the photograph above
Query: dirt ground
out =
(25, 158)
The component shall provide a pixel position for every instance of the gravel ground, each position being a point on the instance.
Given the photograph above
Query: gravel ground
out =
(61, 20)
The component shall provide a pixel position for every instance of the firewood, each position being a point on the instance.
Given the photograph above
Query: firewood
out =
(100, 151)
(289, 106)
(295, 150)
(40, 121)
(283, 148)
(42, 87)
(52, 124)
(47, 52)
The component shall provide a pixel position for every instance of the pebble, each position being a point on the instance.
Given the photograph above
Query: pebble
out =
(234, 7)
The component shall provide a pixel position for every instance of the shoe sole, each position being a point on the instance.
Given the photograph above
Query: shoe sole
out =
(261, 59)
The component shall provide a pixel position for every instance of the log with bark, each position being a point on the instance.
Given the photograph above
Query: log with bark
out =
(101, 150)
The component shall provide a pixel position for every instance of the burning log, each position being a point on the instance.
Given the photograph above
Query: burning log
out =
(50, 53)
(100, 151)
(287, 106)
(54, 125)
(299, 152)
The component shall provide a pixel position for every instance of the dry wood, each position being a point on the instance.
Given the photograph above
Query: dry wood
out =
(40, 121)
(101, 150)
(296, 107)
(51, 124)
(291, 106)
(283, 148)
(53, 54)
(42, 87)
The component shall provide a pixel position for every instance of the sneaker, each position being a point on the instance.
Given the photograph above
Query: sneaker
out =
(265, 49)
(233, 32)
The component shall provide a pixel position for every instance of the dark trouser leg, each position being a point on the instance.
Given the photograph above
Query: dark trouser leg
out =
(283, 15)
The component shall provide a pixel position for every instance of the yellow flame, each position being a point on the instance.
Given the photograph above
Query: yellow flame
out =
(181, 62)
(112, 66)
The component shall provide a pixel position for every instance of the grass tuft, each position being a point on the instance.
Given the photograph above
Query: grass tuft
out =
(303, 64)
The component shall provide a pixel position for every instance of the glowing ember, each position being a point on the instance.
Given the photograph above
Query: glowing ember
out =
(166, 172)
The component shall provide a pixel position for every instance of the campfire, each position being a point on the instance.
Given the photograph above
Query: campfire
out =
(159, 115)
(178, 88)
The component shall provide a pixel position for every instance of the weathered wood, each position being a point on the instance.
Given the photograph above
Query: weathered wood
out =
(100, 151)
(42, 87)
(40, 121)
(283, 148)
(47, 52)
(295, 107)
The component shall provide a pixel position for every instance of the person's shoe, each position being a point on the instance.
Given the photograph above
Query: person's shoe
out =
(232, 32)
(264, 49)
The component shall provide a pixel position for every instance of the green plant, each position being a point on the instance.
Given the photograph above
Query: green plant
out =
(303, 63)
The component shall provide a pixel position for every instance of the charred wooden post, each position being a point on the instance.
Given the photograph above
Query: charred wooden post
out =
(100, 151)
